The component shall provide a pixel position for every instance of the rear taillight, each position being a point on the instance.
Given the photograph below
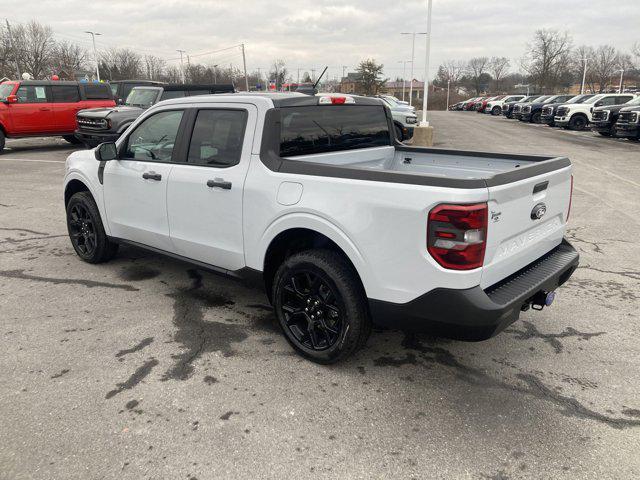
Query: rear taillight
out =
(570, 199)
(457, 235)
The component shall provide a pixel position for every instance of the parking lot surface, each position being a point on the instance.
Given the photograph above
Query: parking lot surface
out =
(147, 367)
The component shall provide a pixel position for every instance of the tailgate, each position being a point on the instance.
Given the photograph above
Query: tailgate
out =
(515, 236)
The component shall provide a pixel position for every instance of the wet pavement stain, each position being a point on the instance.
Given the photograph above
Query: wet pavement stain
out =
(533, 386)
(409, 359)
(20, 274)
(63, 372)
(209, 380)
(553, 339)
(227, 415)
(196, 335)
(137, 273)
(145, 342)
(140, 374)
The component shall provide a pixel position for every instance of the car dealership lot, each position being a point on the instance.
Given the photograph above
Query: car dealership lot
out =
(148, 368)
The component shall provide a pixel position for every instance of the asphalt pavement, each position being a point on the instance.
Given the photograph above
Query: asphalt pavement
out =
(146, 367)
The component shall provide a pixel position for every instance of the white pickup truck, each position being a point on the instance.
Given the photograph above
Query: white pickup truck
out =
(343, 225)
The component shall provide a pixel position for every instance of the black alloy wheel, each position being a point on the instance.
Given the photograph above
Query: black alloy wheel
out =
(82, 230)
(311, 310)
(535, 118)
(578, 122)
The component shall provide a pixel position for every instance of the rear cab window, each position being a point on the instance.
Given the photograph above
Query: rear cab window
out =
(97, 91)
(311, 130)
(65, 93)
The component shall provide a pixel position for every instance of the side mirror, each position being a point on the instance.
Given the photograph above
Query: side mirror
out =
(598, 104)
(12, 99)
(106, 151)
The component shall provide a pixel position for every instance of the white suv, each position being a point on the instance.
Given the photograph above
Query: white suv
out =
(576, 116)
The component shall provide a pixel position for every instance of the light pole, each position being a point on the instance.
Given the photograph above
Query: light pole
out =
(404, 73)
(584, 74)
(448, 84)
(244, 65)
(621, 79)
(181, 65)
(95, 52)
(425, 97)
(413, 51)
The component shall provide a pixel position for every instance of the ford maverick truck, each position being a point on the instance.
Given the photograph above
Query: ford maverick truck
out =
(343, 225)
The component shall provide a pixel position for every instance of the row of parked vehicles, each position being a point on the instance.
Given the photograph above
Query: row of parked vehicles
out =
(608, 114)
(83, 112)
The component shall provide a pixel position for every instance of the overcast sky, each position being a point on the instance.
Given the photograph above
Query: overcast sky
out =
(310, 34)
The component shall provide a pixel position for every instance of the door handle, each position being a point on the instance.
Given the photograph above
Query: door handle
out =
(44, 109)
(218, 182)
(152, 176)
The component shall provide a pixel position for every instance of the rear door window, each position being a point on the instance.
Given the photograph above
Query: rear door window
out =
(65, 93)
(217, 137)
(330, 128)
(167, 94)
(32, 94)
(97, 91)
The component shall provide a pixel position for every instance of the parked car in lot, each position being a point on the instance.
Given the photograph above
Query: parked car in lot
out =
(517, 108)
(480, 106)
(404, 117)
(507, 107)
(470, 104)
(107, 124)
(121, 88)
(577, 116)
(345, 227)
(549, 109)
(43, 108)
(532, 111)
(494, 107)
(603, 119)
(628, 124)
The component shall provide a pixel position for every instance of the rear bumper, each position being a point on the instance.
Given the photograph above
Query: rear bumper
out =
(93, 139)
(475, 314)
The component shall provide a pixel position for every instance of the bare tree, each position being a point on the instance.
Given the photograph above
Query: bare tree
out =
(68, 58)
(583, 57)
(121, 64)
(154, 66)
(498, 67)
(635, 51)
(278, 72)
(604, 65)
(35, 46)
(548, 58)
(476, 67)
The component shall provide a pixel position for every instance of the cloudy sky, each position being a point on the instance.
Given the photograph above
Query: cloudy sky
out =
(310, 34)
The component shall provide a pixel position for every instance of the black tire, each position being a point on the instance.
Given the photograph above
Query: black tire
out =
(634, 139)
(535, 117)
(72, 139)
(605, 134)
(398, 133)
(578, 122)
(86, 231)
(2, 140)
(495, 111)
(325, 280)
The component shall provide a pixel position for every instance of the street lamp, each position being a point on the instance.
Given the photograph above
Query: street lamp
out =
(621, 79)
(95, 52)
(404, 72)
(425, 97)
(181, 65)
(413, 50)
(584, 74)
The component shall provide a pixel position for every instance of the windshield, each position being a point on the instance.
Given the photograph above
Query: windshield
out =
(580, 98)
(391, 100)
(542, 99)
(593, 99)
(5, 90)
(552, 99)
(142, 97)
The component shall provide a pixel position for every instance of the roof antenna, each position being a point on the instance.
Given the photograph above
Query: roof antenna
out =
(320, 77)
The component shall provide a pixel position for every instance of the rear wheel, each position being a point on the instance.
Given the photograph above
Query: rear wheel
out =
(86, 231)
(72, 139)
(321, 306)
(578, 122)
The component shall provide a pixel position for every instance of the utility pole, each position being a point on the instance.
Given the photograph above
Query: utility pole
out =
(181, 65)
(621, 79)
(413, 51)
(313, 75)
(448, 84)
(15, 54)
(215, 73)
(95, 52)
(425, 98)
(244, 64)
(298, 80)
(259, 76)
(404, 73)
(584, 74)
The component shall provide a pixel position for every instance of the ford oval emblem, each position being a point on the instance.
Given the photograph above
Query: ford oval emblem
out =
(538, 211)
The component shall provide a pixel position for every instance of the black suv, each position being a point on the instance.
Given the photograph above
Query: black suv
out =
(507, 108)
(532, 112)
(98, 125)
(603, 119)
(121, 88)
(628, 124)
(549, 109)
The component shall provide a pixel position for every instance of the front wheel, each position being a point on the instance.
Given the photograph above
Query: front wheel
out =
(496, 111)
(86, 231)
(321, 305)
(535, 118)
(577, 122)
(71, 139)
